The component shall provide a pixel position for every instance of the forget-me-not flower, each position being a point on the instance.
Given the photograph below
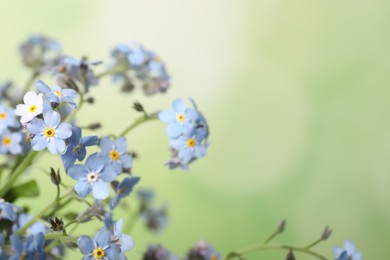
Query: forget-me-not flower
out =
(33, 106)
(180, 120)
(57, 94)
(36, 228)
(203, 250)
(349, 247)
(189, 147)
(10, 142)
(124, 241)
(114, 153)
(122, 190)
(92, 177)
(50, 133)
(8, 210)
(7, 118)
(100, 247)
(76, 147)
(32, 248)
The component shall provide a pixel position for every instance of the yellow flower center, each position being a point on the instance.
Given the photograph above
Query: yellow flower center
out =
(92, 177)
(33, 108)
(3, 115)
(114, 155)
(49, 132)
(157, 59)
(214, 257)
(191, 142)
(6, 141)
(58, 93)
(181, 118)
(98, 253)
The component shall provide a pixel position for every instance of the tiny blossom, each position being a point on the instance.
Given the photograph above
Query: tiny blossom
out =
(57, 94)
(349, 247)
(70, 69)
(114, 153)
(8, 210)
(76, 147)
(7, 118)
(92, 177)
(203, 251)
(180, 120)
(40, 52)
(125, 242)
(155, 219)
(158, 252)
(100, 247)
(145, 197)
(32, 248)
(123, 189)
(33, 106)
(50, 133)
(189, 147)
(10, 142)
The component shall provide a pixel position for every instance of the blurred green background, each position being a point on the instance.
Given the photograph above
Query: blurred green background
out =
(296, 94)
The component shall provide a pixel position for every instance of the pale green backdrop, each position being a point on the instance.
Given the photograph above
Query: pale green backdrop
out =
(296, 94)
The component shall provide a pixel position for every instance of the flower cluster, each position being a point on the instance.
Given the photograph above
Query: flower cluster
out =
(188, 132)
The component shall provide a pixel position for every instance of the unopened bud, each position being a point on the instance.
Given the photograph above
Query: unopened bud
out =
(90, 100)
(290, 256)
(138, 107)
(94, 126)
(326, 233)
(281, 226)
(55, 176)
(56, 224)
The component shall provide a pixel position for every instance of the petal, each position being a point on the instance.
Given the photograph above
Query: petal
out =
(56, 146)
(83, 188)
(126, 242)
(52, 118)
(200, 151)
(109, 173)
(121, 144)
(63, 131)
(177, 143)
(38, 143)
(100, 190)
(42, 87)
(90, 140)
(78, 172)
(70, 93)
(8, 212)
(113, 252)
(30, 97)
(85, 244)
(95, 162)
(178, 105)
(192, 114)
(126, 160)
(21, 109)
(174, 130)
(76, 135)
(106, 144)
(185, 155)
(103, 237)
(36, 126)
(350, 247)
(167, 116)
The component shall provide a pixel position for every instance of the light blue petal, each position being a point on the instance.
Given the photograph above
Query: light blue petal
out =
(8, 212)
(174, 130)
(126, 160)
(126, 242)
(121, 144)
(109, 173)
(36, 126)
(100, 190)
(94, 162)
(56, 146)
(185, 155)
(38, 143)
(90, 140)
(192, 114)
(113, 252)
(76, 135)
(70, 93)
(52, 118)
(42, 87)
(178, 105)
(103, 237)
(178, 143)
(349, 246)
(63, 131)
(200, 151)
(167, 116)
(85, 244)
(106, 144)
(83, 188)
(78, 172)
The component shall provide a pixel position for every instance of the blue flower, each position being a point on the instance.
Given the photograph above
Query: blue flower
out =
(155, 219)
(349, 247)
(189, 147)
(181, 120)
(50, 133)
(57, 94)
(114, 153)
(100, 247)
(7, 118)
(343, 256)
(34, 229)
(122, 190)
(32, 248)
(8, 210)
(204, 251)
(125, 242)
(92, 177)
(10, 142)
(76, 147)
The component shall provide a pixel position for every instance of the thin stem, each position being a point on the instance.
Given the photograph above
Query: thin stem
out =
(43, 211)
(260, 247)
(314, 243)
(58, 192)
(138, 122)
(17, 172)
(71, 222)
(272, 236)
(119, 69)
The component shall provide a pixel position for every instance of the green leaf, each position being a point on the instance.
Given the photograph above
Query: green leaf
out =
(28, 189)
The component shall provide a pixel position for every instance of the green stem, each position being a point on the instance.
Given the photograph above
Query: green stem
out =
(314, 243)
(71, 222)
(260, 247)
(138, 122)
(17, 172)
(272, 236)
(120, 69)
(43, 211)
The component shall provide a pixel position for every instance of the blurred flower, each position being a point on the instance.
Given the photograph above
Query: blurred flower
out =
(92, 177)
(7, 118)
(189, 147)
(100, 247)
(349, 247)
(57, 94)
(114, 153)
(8, 210)
(155, 219)
(202, 251)
(123, 189)
(33, 106)
(34, 229)
(145, 197)
(76, 147)
(180, 120)
(125, 242)
(343, 256)
(32, 248)
(39, 52)
(4, 89)
(96, 210)
(158, 252)
(10, 142)
(50, 133)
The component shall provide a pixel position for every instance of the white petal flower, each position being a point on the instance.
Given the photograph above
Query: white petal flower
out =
(33, 106)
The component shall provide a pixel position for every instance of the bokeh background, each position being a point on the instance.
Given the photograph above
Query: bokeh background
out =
(296, 94)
